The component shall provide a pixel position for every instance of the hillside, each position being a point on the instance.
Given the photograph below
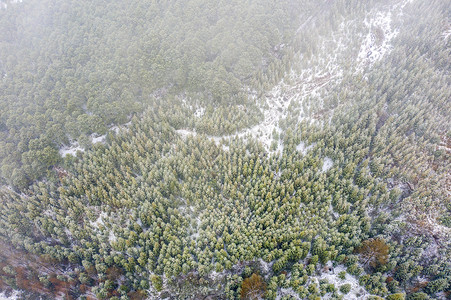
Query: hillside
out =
(225, 149)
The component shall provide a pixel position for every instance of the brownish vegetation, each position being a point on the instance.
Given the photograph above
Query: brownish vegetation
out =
(373, 252)
(253, 287)
(26, 269)
(138, 295)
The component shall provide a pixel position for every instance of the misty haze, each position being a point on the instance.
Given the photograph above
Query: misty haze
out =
(195, 149)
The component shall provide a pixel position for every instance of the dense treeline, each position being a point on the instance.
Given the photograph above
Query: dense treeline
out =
(73, 68)
(360, 184)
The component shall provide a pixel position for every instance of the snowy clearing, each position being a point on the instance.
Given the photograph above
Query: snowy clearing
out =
(287, 292)
(98, 139)
(71, 149)
(301, 147)
(377, 42)
(357, 292)
(328, 163)
(445, 34)
(324, 68)
(99, 222)
(199, 112)
(14, 295)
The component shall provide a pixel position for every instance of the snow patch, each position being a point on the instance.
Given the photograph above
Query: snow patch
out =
(71, 149)
(14, 295)
(199, 112)
(195, 235)
(112, 237)
(445, 34)
(98, 139)
(357, 292)
(117, 129)
(333, 212)
(266, 267)
(96, 224)
(328, 163)
(287, 292)
(185, 133)
(377, 42)
(301, 147)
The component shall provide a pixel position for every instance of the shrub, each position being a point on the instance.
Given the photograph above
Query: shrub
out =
(345, 288)
(157, 282)
(398, 296)
(373, 252)
(418, 296)
(253, 287)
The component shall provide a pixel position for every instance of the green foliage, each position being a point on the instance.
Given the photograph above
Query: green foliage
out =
(437, 285)
(157, 282)
(87, 69)
(176, 193)
(418, 296)
(345, 288)
(398, 296)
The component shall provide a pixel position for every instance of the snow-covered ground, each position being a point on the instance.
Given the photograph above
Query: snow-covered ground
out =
(99, 222)
(199, 112)
(357, 292)
(446, 34)
(98, 138)
(326, 67)
(275, 107)
(71, 149)
(14, 295)
(184, 133)
(301, 147)
(377, 42)
(95, 138)
(328, 163)
(118, 128)
(287, 292)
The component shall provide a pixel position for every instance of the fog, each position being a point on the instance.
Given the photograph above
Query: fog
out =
(225, 149)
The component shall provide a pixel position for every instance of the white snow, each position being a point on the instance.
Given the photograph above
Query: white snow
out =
(71, 149)
(98, 139)
(195, 235)
(275, 107)
(328, 163)
(325, 67)
(117, 129)
(334, 213)
(436, 228)
(377, 42)
(185, 133)
(357, 292)
(445, 35)
(14, 295)
(287, 292)
(301, 147)
(99, 221)
(112, 237)
(199, 112)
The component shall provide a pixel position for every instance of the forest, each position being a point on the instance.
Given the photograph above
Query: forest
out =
(225, 149)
